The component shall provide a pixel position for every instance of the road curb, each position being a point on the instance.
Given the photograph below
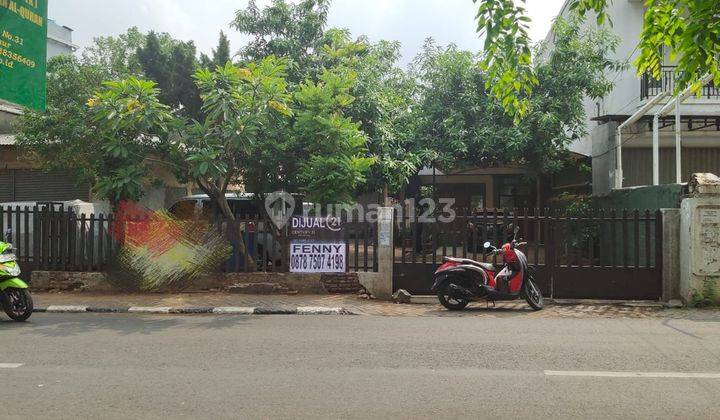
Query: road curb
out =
(319, 310)
(197, 310)
(66, 309)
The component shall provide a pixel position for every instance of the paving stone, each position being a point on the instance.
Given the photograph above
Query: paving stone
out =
(268, 303)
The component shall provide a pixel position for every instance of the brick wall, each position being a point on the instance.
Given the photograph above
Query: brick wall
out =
(341, 283)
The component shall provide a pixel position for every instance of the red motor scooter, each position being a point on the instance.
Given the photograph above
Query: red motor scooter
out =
(459, 281)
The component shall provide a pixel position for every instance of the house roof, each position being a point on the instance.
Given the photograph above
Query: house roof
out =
(7, 139)
(10, 108)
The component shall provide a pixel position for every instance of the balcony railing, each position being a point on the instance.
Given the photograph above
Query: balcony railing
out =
(650, 87)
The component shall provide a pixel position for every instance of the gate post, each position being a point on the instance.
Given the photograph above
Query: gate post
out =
(667, 252)
(380, 283)
(700, 241)
(550, 248)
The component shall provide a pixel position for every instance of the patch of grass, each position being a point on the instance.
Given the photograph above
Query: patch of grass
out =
(708, 296)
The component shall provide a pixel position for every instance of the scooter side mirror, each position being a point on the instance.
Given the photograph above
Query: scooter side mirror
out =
(517, 229)
(8, 235)
(486, 245)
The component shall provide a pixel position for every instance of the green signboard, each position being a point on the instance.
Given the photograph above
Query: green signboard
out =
(23, 51)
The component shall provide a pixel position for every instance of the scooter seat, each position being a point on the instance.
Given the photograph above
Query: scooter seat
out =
(484, 266)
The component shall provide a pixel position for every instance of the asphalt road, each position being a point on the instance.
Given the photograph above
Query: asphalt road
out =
(130, 366)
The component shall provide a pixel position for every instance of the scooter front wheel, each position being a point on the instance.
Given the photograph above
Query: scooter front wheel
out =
(449, 301)
(17, 303)
(532, 295)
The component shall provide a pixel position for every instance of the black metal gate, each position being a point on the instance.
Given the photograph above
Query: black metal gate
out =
(603, 255)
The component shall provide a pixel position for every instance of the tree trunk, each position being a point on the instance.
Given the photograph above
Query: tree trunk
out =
(217, 195)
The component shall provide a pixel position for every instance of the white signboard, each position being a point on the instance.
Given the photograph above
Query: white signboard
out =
(707, 261)
(317, 257)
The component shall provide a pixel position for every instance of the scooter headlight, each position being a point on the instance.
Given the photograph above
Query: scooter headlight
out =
(11, 269)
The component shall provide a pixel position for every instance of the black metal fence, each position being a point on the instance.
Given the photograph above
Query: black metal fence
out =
(57, 239)
(651, 87)
(603, 254)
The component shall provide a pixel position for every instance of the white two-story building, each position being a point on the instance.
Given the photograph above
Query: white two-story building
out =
(699, 118)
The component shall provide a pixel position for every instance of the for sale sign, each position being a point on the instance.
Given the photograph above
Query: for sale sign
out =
(23, 51)
(317, 257)
(317, 245)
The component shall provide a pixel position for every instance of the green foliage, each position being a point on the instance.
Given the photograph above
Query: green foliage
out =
(283, 29)
(383, 93)
(63, 137)
(507, 55)
(464, 125)
(384, 98)
(243, 108)
(117, 55)
(332, 145)
(172, 64)
(220, 54)
(708, 296)
(129, 118)
(579, 235)
(575, 67)
(456, 120)
(596, 6)
(69, 137)
(688, 30)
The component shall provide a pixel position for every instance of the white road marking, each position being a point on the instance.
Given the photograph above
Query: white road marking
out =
(608, 374)
(10, 365)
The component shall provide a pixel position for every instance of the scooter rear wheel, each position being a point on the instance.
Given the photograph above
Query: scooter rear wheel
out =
(449, 301)
(17, 303)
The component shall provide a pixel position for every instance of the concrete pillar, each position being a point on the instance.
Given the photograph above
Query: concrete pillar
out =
(700, 241)
(604, 165)
(380, 283)
(671, 254)
(656, 150)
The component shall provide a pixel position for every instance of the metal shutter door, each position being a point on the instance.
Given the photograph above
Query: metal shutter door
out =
(48, 186)
(6, 186)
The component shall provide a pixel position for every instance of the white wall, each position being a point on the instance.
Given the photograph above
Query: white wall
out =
(59, 40)
(627, 19)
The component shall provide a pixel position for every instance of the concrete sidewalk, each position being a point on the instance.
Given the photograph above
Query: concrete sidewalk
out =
(264, 304)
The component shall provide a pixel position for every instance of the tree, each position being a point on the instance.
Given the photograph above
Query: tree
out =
(384, 97)
(240, 104)
(183, 90)
(171, 64)
(64, 137)
(465, 125)
(116, 54)
(576, 67)
(333, 161)
(283, 29)
(507, 56)
(687, 29)
(220, 55)
(130, 120)
(456, 119)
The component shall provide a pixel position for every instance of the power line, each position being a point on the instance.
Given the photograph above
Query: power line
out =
(632, 136)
